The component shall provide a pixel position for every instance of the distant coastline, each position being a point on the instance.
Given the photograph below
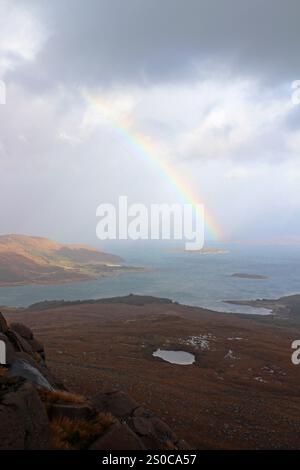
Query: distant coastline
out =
(284, 306)
(28, 260)
(203, 251)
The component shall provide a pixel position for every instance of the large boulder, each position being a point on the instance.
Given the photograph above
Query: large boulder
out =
(19, 343)
(151, 431)
(23, 420)
(25, 355)
(37, 347)
(29, 360)
(118, 437)
(154, 433)
(24, 339)
(22, 330)
(117, 403)
(22, 368)
(3, 324)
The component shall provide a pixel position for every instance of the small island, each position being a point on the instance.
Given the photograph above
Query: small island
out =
(209, 251)
(203, 251)
(248, 276)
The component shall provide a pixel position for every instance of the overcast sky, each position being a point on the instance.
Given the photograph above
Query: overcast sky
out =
(207, 82)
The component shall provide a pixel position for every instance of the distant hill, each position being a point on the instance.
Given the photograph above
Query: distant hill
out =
(27, 259)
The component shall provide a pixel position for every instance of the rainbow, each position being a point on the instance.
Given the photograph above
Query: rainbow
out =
(150, 151)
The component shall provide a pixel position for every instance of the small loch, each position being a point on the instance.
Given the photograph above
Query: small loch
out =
(182, 358)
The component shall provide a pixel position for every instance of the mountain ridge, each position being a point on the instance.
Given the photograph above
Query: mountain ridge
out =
(26, 259)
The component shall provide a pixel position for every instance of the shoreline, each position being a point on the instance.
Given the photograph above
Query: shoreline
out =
(104, 275)
(283, 307)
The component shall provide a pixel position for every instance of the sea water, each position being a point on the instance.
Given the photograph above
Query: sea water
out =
(190, 278)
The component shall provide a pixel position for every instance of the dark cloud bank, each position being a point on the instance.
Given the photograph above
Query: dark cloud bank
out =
(108, 41)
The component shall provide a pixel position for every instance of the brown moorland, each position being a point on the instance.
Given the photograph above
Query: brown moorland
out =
(242, 391)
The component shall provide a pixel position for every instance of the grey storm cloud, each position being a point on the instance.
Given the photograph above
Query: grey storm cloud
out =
(113, 41)
(209, 81)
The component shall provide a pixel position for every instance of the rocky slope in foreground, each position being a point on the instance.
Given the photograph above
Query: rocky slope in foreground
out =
(37, 412)
(26, 260)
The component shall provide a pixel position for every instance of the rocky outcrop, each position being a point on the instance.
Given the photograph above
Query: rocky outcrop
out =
(23, 419)
(152, 432)
(119, 437)
(37, 412)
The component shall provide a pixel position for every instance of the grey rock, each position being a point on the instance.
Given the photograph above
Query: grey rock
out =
(23, 421)
(21, 368)
(118, 403)
(118, 437)
(21, 329)
(3, 324)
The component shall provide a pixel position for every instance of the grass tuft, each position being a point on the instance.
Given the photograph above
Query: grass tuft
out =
(72, 434)
(62, 397)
